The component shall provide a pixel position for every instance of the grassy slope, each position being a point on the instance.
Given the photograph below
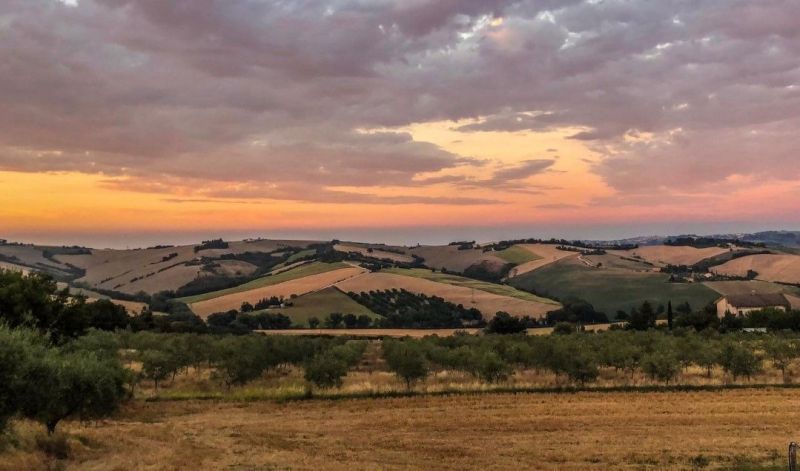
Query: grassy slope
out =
(299, 255)
(517, 255)
(293, 274)
(321, 303)
(502, 290)
(610, 290)
(726, 288)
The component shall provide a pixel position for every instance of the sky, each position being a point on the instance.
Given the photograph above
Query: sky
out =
(131, 122)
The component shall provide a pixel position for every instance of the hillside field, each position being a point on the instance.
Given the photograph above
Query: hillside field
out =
(609, 289)
(294, 285)
(730, 429)
(671, 255)
(280, 277)
(778, 267)
(488, 303)
(321, 303)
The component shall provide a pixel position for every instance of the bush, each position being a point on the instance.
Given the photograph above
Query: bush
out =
(326, 371)
(406, 360)
(505, 323)
(661, 366)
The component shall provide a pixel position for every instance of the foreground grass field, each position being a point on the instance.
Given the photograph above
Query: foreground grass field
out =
(736, 429)
(611, 289)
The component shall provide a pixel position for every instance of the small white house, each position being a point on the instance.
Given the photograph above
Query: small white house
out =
(741, 304)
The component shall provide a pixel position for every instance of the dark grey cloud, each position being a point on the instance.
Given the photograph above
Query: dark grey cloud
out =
(280, 93)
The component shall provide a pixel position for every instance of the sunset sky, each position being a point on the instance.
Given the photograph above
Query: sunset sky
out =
(133, 122)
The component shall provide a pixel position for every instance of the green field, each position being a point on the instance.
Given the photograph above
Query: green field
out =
(517, 255)
(293, 274)
(725, 288)
(502, 290)
(299, 255)
(321, 303)
(610, 290)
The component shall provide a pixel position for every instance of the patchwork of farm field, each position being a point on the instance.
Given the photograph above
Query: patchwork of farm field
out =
(295, 285)
(320, 304)
(661, 255)
(486, 302)
(784, 268)
(731, 429)
(297, 272)
(610, 290)
(455, 280)
(545, 253)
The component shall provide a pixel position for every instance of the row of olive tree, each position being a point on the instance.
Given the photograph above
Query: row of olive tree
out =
(578, 358)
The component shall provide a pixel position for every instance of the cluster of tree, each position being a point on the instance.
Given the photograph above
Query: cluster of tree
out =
(705, 242)
(337, 320)
(581, 250)
(235, 322)
(403, 309)
(502, 245)
(487, 271)
(211, 244)
(576, 311)
(49, 383)
(326, 253)
(463, 245)
(578, 358)
(235, 360)
(265, 303)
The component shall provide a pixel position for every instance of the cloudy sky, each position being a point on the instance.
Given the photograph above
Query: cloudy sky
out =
(123, 120)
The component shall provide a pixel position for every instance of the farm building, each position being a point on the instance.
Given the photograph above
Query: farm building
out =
(741, 304)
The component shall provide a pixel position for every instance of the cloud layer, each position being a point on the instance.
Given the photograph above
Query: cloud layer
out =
(262, 99)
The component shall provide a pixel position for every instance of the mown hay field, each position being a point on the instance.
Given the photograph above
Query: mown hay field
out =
(779, 267)
(609, 289)
(488, 303)
(296, 286)
(671, 255)
(451, 258)
(588, 430)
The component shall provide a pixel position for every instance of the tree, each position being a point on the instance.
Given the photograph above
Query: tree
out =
(406, 360)
(75, 384)
(157, 366)
(334, 320)
(313, 322)
(491, 368)
(505, 323)
(18, 348)
(669, 315)
(738, 360)
(780, 352)
(326, 370)
(246, 307)
(643, 318)
(239, 360)
(564, 328)
(661, 366)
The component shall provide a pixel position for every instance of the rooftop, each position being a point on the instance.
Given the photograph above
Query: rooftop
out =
(757, 300)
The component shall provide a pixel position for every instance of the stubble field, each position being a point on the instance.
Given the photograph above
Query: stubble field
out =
(733, 429)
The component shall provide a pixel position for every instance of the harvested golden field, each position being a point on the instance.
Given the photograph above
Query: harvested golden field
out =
(588, 430)
(488, 303)
(783, 268)
(661, 255)
(14, 267)
(547, 253)
(397, 333)
(374, 252)
(297, 286)
(454, 260)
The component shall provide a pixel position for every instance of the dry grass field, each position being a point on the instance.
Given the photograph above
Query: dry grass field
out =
(546, 253)
(373, 252)
(783, 268)
(488, 303)
(588, 430)
(286, 289)
(661, 255)
(452, 259)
